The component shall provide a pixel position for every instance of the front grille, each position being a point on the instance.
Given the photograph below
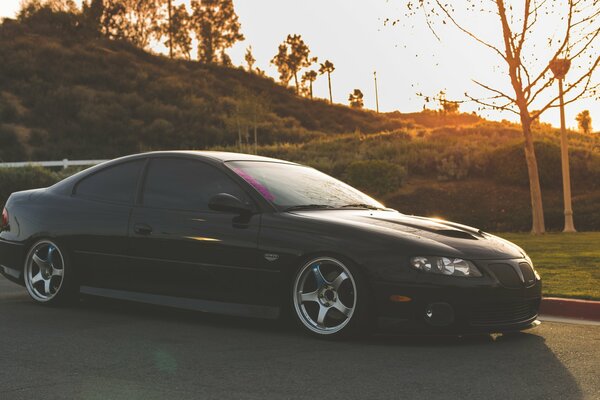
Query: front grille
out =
(527, 272)
(507, 275)
(485, 314)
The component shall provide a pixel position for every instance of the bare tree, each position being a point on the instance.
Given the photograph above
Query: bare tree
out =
(518, 44)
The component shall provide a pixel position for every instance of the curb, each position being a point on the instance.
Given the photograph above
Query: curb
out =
(571, 308)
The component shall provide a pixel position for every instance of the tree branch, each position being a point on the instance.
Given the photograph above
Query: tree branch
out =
(587, 75)
(527, 89)
(467, 32)
(491, 89)
(504, 107)
(526, 13)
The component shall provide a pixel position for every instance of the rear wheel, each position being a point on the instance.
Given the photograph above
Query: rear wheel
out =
(47, 273)
(330, 298)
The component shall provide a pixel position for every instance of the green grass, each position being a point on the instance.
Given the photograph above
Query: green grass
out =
(568, 263)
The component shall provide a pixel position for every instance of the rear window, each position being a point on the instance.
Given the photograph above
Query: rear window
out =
(115, 184)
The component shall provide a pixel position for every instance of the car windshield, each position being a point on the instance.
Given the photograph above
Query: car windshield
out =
(290, 186)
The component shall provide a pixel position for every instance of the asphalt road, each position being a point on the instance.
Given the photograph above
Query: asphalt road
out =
(112, 350)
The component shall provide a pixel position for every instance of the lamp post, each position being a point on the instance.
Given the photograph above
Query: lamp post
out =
(560, 67)
(376, 93)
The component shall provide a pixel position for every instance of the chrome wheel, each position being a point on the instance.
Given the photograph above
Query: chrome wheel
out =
(324, 293)
(44, 271)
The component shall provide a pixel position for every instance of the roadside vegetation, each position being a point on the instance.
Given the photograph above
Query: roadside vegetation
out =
(568, 263)
(68, 90)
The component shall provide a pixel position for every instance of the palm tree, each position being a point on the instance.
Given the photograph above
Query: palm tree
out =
(327, 67)
(310, 77)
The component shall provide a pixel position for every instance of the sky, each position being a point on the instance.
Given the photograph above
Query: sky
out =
(408, 58)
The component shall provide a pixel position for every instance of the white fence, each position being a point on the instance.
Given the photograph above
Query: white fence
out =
(63, 163)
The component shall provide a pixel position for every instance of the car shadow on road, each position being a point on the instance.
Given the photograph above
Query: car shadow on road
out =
(512, 366)
(264, 356)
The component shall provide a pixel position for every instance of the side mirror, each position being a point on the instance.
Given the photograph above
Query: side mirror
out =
(228, 203)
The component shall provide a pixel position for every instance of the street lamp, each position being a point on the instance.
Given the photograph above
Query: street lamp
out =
(560, 67)
(376, 92)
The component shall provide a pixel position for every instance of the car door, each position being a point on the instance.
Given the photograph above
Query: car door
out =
(98, 218)
(181, 247)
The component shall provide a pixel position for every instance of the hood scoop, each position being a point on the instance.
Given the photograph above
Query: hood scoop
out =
(455, 234)
(430, 226)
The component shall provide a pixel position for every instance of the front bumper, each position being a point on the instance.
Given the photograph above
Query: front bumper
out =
(12, 256)
(442, 304)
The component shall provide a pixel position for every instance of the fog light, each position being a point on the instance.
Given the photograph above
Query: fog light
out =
(439, 314)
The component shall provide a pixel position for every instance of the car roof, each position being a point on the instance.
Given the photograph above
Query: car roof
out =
(67, 184)
(217, 155)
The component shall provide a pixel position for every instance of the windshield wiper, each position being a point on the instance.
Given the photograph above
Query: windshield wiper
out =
(362, 205)
(308, 207)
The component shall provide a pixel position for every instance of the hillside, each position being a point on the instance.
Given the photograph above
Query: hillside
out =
(68, 94)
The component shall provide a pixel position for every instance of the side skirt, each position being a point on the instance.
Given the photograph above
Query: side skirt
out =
(210, 306)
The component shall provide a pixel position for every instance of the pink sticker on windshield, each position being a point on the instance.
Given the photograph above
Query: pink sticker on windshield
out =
(256, 184)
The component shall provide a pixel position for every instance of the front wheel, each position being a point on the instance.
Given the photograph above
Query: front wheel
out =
(47, 274)
(330, 298)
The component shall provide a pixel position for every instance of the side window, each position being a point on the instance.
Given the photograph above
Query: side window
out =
(118, 183)
(185, 184)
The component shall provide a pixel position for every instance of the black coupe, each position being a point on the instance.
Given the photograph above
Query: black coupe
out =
(246, 235)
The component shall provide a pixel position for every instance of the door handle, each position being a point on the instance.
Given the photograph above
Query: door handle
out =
(142, 229)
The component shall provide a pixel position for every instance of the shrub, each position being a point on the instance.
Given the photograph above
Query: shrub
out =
(375, 177)
(454, 166)
(11, 149)
(17, 179)
(507, 165)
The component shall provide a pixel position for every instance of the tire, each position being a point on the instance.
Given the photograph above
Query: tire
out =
(330, 298)
(48, 276)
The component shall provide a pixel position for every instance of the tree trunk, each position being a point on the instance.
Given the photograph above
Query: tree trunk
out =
(329, 81)
(170, 32)
(537, 208)
(513, 61)
(255, 139)
(311, 95)
(296, 81)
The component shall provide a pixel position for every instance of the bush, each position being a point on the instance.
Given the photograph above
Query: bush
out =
(507, 165)
(454, 166)
(375, 177)
(17, 179)
(11, 149)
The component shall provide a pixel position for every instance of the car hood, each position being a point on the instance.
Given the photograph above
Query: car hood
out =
(435, 236)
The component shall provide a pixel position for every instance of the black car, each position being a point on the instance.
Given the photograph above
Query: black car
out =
(253, 236)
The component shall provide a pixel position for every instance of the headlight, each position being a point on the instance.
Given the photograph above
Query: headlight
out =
(445, 266)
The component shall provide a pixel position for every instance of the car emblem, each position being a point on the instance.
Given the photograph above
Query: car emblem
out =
(271, 256)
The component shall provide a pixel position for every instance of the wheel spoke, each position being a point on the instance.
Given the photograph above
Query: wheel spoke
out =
(312, 296)
(338, 305)
(36, 278)
(47, 286)
(316, 269)
(339, 280)
(321, 317)
(57, 272)
(40, 263)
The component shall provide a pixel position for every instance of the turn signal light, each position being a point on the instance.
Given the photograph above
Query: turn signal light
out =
(4, 223)
(399, 299)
